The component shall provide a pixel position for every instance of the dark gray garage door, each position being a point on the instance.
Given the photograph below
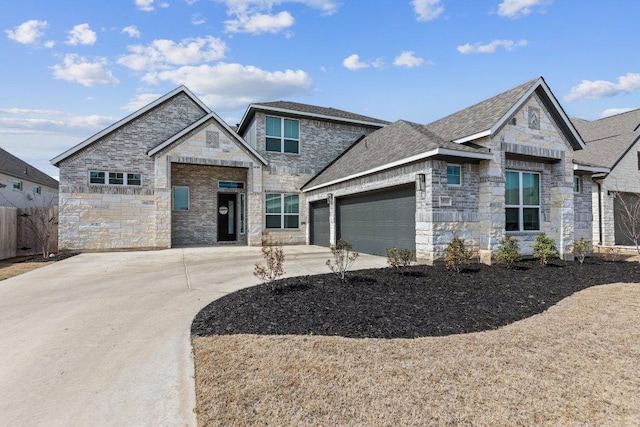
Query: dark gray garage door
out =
(620, 217)
(373, 222)
(319, 217)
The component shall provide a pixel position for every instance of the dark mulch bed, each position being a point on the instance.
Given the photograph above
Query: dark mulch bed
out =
(422, 301)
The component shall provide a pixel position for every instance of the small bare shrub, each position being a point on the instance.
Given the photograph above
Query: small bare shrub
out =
(274, 268)
(343, 258)
(581, 249)
(509, 251)
(398, 258)
(612, 254)
(457, 254)
(544, 249)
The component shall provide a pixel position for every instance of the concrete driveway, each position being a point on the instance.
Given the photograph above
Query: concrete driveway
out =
(104, 338)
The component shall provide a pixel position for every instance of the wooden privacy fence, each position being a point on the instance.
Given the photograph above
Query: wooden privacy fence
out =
(23, 229)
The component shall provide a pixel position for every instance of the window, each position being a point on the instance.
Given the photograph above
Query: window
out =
(242, 216)
(454, 176)
(282, 210)
(639, 160)
(230, 184)
(522, 201)
(17, 185)
(116, 178)
(576, 184)
(37, 190)
(180, 198)
(283, 135)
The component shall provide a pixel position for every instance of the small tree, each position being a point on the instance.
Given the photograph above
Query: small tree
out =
(397, 258)
(274, 268)
(544, 249)
(509, 251)
(343, 258)
(628, 216)
(582, 248)
(457, 254)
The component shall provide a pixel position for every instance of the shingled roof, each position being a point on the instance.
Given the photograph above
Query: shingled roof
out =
(608, 139)
(296, 108)
(13, 166)
(398, 143)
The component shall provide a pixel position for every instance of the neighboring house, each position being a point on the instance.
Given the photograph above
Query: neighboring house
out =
(612, 142)
(173, 173)
(23, 186)
(503, 166)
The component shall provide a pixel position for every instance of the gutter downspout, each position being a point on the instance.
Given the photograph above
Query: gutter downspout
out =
(600, 214)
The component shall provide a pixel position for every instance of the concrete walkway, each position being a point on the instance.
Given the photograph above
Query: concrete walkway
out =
(104, 338)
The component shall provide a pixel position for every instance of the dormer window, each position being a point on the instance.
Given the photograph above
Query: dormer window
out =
(282, 135)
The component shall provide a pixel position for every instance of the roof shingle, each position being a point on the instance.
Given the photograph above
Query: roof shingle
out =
(13, 166)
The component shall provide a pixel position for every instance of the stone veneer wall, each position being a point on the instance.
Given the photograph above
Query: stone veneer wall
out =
(199, 224)
(583, 209)
(96, 217)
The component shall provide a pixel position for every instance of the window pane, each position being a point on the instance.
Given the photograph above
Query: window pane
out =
(453, 175)
(290, 146)
(96, 177)
(273, 145)
(511, 188)
(17, 185)
(291, 221)
(530, 189)
(273, 127)
(180, 198)
(273, 221)
(291, 129)
(576, 184)
(531, 218)
(230, 184)
(133, 179)
(512, 215)
(116, 178)
(291, 204)
(273, 204)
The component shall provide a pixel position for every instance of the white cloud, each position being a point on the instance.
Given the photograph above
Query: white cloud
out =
(427, 10)
(490, 47)
(77, 69)
(140, 101)
(596, 89)
(190, 2)
(28, 32)
(198, 19)
(352, 62)
(408, 59)
(37, 125)
(27, 111)
(144, 5)
(260, 23)
(132, 31)
(519, 8)
(49, 44)
(226, 87)
(81, 34)
(161, 54)
(613, 111)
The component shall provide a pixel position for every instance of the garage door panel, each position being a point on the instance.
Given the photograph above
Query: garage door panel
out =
(373, 222)
(319, 218)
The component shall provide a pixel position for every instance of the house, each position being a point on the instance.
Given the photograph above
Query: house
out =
(23, 186)
(173, 173)
(503, 166)
(612, 143)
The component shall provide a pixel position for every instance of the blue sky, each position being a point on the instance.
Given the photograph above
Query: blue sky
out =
(71, 68)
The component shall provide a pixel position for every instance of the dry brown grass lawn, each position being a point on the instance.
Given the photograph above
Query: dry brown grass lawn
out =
(16, 266)
(576, 364)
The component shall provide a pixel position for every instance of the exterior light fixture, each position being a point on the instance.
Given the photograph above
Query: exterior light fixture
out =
(421, 182)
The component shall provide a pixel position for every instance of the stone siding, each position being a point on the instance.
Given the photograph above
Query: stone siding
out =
(583, 209)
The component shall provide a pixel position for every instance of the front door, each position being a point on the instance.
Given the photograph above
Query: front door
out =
(226, 217)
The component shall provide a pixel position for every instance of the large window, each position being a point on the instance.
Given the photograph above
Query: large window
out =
(180, 198)
(283, 135)
(522, 201)
(454, 176)
(282, 210)
(115, 178)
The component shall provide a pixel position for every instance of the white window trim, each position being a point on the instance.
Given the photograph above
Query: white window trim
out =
(173, 207)
(282, 137)
(521, 205)
(125, 178)
(282, 213)
(460, 168)
(576, 179)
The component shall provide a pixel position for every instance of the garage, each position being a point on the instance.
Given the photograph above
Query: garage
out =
(375, 221)
(319, 218)
(621, 216)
